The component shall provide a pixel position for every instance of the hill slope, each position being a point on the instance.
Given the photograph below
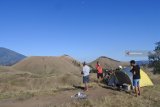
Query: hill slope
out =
(71, 60)
(47, 65)
(9, 57)
(60, 69)
(108, 63)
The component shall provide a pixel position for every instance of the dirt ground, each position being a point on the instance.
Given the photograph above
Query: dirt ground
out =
(57, 99)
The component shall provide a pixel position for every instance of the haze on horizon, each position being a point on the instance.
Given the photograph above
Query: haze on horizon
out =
(83, 29)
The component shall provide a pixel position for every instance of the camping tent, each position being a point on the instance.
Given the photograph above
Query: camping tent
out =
(125, 76)
(119, 78)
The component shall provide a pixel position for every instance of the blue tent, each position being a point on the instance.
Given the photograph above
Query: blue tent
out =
(121, 77)
(128, 73)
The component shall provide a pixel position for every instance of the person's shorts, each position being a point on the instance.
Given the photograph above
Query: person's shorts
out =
(86, 79)
(136, 82)
(99, 75)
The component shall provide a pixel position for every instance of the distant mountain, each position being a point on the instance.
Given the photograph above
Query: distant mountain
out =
(108, 63)
(9, 57)
(142, 62)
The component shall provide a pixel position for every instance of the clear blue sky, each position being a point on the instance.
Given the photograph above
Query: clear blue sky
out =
(84, 29)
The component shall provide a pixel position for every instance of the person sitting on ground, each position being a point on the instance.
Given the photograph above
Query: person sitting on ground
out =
(85, 72)
(99, 72)
(136, 76)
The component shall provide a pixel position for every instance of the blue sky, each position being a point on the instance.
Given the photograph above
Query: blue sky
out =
(83, 29)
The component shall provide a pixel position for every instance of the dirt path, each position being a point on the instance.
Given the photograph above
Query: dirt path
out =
(57, 99)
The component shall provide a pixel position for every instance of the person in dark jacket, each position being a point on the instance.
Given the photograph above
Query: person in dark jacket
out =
(136, 76)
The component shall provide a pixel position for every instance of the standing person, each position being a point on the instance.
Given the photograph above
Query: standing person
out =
(85, 72)
(136, 77)
(99, 72)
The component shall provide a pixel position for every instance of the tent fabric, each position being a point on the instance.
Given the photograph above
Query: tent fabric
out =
(125, 76)
(122, 78)
(144, 81)
(119, 78)
(112, 81)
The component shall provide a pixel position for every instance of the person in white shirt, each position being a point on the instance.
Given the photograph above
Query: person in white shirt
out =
(85, 72)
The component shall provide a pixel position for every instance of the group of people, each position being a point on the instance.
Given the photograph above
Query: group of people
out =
(86, 71)
(135, 69)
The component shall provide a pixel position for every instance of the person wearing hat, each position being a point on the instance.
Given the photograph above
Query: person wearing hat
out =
(85, 72)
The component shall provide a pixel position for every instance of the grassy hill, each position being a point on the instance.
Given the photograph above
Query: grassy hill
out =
(47, 65)
(108, 63)
(20, 88)
(60, 69)
(48, 82)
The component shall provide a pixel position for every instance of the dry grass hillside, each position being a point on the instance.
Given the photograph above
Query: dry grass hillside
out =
(48, 82)
(108, 63)
(48, 65)
(71, 60)
(39, 74)
(26, 89)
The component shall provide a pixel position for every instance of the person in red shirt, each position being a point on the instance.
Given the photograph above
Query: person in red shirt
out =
(99, 72)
